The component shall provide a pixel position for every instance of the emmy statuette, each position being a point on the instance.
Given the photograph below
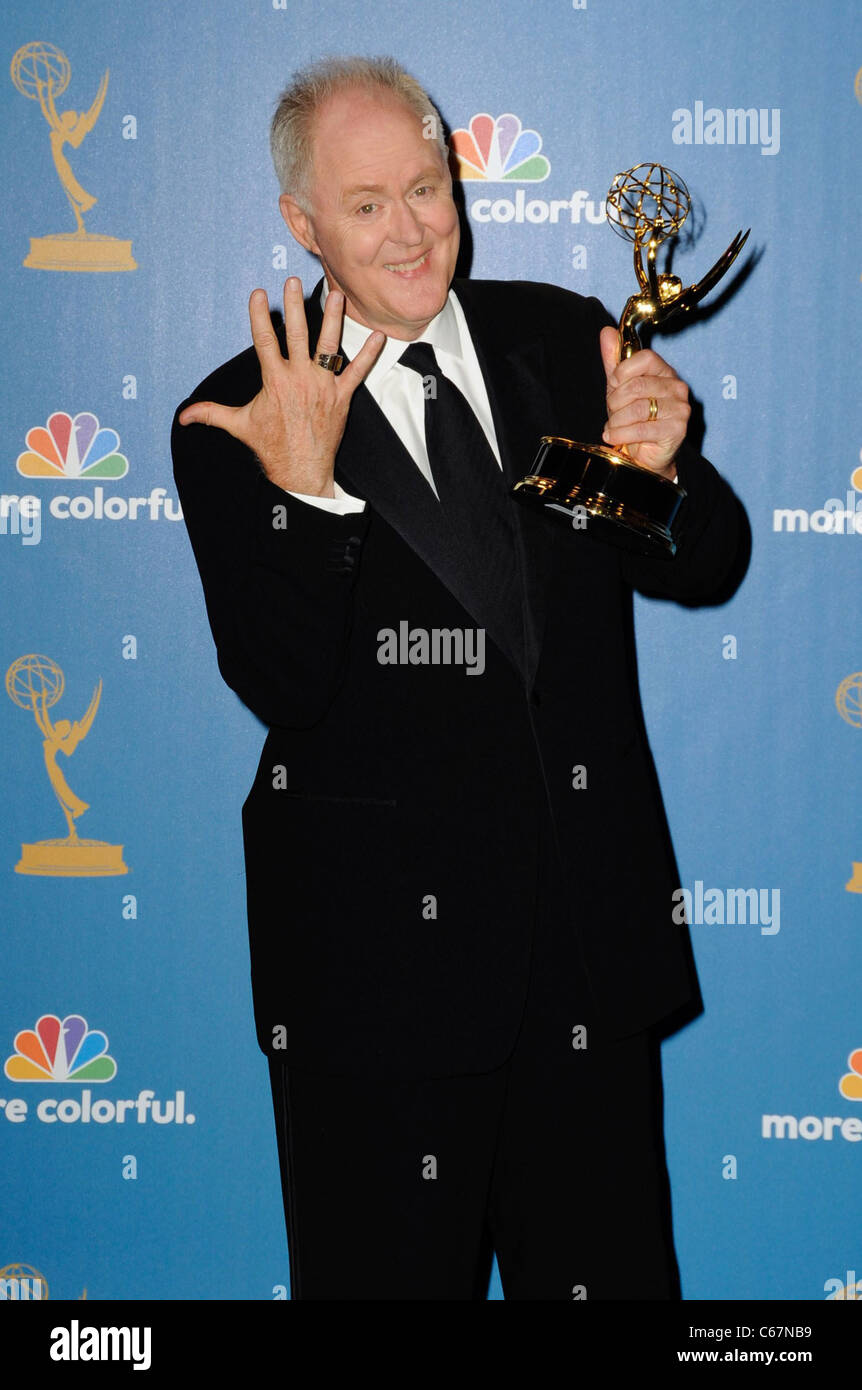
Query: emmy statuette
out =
(620, 500)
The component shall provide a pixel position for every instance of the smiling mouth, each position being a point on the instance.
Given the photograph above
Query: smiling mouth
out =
(404, 266)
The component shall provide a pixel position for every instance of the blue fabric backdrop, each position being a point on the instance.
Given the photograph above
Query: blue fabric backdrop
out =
(756, 730)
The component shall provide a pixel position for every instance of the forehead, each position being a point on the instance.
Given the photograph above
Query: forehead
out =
(361, 138)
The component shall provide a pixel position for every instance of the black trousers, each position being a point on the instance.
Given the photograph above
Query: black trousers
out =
(401, 1189)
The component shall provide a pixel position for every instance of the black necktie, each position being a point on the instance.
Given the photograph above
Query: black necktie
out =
(475, 502)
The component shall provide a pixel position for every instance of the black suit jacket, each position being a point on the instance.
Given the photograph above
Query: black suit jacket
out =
(391, 833)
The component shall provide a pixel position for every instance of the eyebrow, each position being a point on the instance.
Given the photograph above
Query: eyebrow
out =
(354, 192)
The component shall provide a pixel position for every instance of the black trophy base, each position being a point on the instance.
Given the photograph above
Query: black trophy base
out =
(599, 490)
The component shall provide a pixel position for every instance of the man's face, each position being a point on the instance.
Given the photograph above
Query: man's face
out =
(382, 218)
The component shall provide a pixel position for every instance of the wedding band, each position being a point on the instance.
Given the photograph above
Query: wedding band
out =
(330, 361)
(653, 408)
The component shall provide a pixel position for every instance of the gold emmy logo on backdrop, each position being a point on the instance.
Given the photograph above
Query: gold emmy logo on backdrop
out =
(41, 73)
(36, 683)
(848, 702)
(23, 1283)
(625, 502)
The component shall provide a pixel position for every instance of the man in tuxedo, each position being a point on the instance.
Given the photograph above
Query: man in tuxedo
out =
(458, 870)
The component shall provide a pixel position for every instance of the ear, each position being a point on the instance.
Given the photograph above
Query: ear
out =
(298, 223)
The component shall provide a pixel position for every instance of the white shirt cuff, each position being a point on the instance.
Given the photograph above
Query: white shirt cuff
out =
(342, 504)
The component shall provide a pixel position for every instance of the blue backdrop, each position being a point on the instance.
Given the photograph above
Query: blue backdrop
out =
(753, 710)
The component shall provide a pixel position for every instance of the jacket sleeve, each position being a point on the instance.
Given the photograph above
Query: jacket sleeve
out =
(711, 533)
(277, 575)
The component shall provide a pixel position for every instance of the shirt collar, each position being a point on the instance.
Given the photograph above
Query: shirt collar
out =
(443, 333)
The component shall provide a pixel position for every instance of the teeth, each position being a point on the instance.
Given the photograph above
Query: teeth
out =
(408, 265)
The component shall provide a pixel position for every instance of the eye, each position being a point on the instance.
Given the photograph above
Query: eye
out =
(367, 208)
(424, 188)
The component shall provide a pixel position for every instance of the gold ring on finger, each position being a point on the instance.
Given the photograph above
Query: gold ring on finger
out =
(653, 408)
(330, 361)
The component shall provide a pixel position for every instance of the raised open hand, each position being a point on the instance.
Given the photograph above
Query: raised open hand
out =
(295, 422)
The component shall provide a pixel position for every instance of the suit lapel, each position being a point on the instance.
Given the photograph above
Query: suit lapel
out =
(373, 464)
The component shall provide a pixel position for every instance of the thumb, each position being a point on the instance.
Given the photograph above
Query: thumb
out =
(609, 344)
(209, 413)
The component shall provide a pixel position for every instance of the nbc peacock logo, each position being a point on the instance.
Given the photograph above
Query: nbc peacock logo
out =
(72, 446)
(66, 1050)
(499, 151)
(837, 517)
(850, 1084)
(77, 448)
(61, 1050)
(826, 1126)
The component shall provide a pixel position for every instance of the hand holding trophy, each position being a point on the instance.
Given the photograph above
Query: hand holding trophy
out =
(624, 502)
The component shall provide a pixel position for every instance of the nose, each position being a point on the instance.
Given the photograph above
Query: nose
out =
(405, 227)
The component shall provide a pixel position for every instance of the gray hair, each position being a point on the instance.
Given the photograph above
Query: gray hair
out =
(291, 131)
